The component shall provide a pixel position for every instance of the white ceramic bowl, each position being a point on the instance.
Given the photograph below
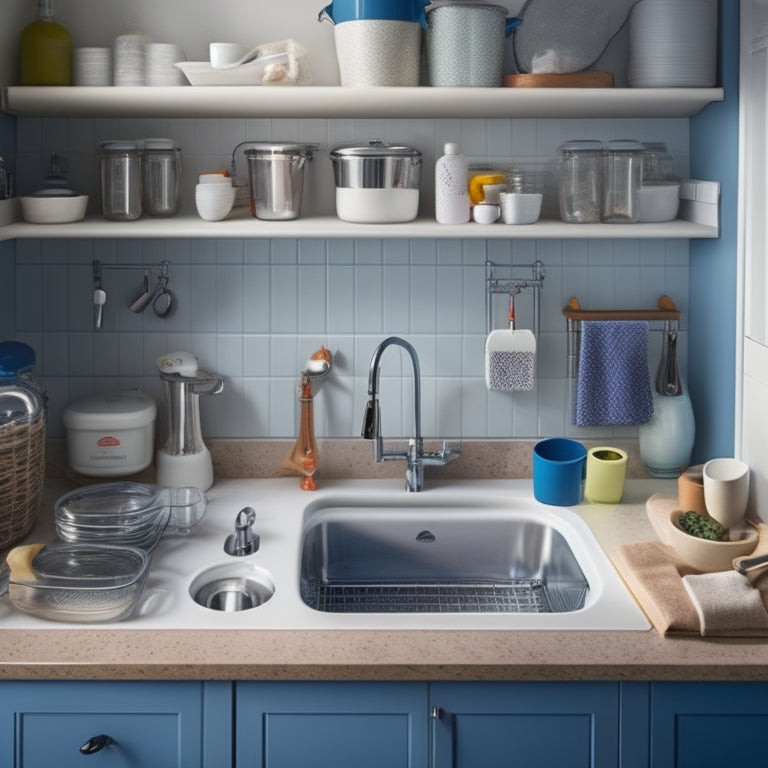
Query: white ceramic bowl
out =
(376, 206)
(658, 202)
(214, 201)
(520, 208)
(52, 209)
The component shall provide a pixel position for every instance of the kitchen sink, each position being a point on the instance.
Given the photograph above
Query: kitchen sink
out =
(435, 560)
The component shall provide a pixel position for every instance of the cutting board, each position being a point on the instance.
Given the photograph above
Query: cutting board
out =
(594, 79)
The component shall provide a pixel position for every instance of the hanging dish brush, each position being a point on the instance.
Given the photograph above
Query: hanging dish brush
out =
(303, 459)
(510, 357)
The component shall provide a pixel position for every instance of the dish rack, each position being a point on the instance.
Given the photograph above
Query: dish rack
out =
(502, 280)
(666, 318)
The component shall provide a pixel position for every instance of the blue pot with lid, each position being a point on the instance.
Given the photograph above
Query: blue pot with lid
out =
(340, 11)
(21, 399)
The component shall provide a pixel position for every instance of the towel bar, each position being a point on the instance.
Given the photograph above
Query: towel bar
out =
(667, 312)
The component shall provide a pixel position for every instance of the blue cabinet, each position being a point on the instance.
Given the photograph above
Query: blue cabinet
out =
(528, 725)
(331, 725)
(114, 724)
(708, 725)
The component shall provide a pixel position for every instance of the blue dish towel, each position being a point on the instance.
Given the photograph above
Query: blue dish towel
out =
(614, 384)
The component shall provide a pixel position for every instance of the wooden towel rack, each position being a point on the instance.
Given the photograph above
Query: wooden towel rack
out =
(666, 311)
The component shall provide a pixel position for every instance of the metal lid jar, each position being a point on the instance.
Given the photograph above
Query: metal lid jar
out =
(276, 178)
(161, 177)
(580, 181)
(120, 170)
(22, 442)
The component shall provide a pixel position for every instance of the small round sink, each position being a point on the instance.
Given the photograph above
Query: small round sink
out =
(232, 588)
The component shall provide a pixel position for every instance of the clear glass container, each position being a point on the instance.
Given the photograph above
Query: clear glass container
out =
(622, 169)
(161, 177)
(120, 170)
(580, 181)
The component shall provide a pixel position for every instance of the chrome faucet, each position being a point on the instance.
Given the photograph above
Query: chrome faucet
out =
(415, 457)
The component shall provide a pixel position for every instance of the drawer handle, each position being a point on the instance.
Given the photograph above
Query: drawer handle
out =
(95, 744)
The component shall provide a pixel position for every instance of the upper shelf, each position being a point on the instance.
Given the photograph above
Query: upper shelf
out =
(337, 102)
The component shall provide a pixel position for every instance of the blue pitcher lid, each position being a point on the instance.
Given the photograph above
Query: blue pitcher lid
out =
(15, 356)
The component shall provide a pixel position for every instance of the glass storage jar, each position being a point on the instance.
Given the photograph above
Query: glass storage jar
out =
(161, 177)
(580, 181)
(622, 168)
(120, 170)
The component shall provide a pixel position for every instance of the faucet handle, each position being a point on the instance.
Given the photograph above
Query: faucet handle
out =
(449, 452)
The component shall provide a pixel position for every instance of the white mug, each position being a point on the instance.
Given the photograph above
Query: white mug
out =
(225, 54)
(726, 490)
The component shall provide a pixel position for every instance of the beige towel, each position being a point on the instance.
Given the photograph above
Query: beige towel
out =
(658, 581)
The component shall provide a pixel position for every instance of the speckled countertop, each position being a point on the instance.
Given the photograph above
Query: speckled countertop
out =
(100, 652)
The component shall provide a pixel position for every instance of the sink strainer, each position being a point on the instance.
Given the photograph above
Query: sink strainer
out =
(232, 589)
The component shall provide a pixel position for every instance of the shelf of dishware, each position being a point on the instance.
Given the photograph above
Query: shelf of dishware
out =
(240, 224)
(337, 102)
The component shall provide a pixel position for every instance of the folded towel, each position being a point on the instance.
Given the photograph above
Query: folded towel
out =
(614, 384)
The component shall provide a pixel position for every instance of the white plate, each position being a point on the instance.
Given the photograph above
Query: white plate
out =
(277, 69)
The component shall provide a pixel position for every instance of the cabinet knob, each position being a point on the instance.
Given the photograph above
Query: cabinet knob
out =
(437, 713)
(95, 744)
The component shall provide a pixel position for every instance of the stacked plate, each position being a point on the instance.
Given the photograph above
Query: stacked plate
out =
(673, 44)
(129, 60)
(92, 66)
(160, 64)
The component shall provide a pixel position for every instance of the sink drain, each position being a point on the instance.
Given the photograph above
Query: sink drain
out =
(229, 589)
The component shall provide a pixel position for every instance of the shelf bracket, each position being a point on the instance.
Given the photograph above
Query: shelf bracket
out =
(503, 280)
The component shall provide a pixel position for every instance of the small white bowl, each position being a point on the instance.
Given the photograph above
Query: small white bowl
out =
(658, 202)
(214, 201)
(485, 213)
(520, 207)
(53, 209)
(214, 177)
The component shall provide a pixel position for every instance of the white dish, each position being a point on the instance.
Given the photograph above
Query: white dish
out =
(520, 208)
(277, 69)
(658, 202)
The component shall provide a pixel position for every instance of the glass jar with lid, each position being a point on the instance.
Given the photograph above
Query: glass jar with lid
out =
(622, 167)
(161, 177)
(120, 170)
(580, 181)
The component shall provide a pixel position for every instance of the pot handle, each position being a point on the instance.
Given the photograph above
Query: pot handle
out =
(325, 14)
(511, 24)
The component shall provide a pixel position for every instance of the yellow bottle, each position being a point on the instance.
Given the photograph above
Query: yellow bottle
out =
(45, 50)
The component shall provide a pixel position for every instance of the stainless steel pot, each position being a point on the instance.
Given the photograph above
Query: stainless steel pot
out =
(276, 178)
(376, 165)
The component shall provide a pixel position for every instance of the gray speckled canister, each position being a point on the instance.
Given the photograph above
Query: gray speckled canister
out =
(465, 44)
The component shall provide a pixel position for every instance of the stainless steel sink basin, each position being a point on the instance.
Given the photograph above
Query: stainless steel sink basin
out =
(420, 558)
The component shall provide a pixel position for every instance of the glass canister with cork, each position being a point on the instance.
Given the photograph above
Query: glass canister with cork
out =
(22, 442)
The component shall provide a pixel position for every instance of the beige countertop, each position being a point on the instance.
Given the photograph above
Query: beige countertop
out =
(101, 652)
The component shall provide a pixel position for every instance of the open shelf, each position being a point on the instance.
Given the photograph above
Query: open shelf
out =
(241, 224)
(337, 102)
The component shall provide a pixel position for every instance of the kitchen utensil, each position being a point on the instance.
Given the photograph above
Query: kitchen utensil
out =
(214, 201)
(164, 303)
(510, 356)
(276, 178)
(622, 173)
(465, 43)
(139, 304)
(120, 170)
(110, 435)
(486, 212)
(22, 442)
(340, 11)
(51, 209)
(80, 582)
(668, 380)
(225, 54)
(606, 469)
(726, 490)
(161, 177)
(184, 459)
(562, 36)
(558, 471)
(376, 182)
(580, 181)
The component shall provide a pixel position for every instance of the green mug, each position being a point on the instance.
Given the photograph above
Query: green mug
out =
(606, 469)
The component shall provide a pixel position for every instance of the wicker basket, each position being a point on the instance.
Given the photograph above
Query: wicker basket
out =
(22, 465)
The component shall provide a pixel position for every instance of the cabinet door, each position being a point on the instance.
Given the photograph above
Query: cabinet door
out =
(331, 725)
(709, 725)
(146, 725)
(525, 725)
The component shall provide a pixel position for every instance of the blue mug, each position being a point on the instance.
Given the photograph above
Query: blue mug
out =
(340, 11)
(558, 471)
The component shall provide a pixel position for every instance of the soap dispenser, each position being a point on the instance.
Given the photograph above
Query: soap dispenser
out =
(185, 460)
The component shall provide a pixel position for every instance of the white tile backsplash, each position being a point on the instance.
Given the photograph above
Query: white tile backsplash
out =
(254, 310)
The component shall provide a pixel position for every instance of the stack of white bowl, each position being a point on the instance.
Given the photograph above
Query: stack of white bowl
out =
(214, 196)
(160, 64)
(129, 60)
(92, 66)
(673, 44)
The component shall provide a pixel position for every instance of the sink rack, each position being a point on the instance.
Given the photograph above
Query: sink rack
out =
(504, 280)
(666, 313)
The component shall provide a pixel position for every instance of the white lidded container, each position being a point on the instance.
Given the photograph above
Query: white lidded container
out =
(110, 435)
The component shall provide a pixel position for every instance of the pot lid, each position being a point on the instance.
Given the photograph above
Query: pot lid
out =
(280, 148)
(374, 148)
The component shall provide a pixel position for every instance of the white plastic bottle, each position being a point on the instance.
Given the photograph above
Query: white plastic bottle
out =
(451, 192)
